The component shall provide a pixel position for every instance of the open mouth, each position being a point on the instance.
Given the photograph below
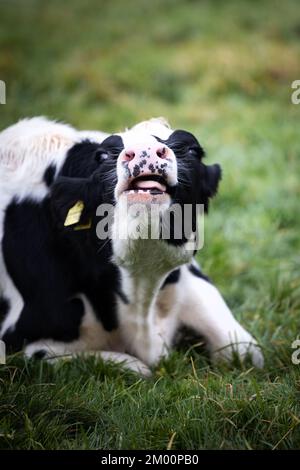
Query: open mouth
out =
(151, 184)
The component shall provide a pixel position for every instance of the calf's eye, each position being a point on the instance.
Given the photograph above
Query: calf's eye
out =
(101, 156)
(193, 152)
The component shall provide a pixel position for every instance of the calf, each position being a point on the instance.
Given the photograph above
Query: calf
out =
(76, 276)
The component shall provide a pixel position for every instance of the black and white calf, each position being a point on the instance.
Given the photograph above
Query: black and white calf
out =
(64, 290)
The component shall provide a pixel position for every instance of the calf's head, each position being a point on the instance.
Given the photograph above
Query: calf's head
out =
(152, 165)
(147, 166)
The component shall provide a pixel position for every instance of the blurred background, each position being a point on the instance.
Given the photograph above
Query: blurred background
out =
(220, 69)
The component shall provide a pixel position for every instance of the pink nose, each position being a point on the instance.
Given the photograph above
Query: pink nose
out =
(144, 156)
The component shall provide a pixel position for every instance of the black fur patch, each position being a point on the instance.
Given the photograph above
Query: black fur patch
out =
(196, 271)
(172, 278)
(51, 264)
(40, 273)
(39, 354)
(4, 308)
(201, 181)
(82, 160)
(197, 182)
(123, 297)
(49, 175)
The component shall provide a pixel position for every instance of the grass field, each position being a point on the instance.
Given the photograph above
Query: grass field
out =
(222, 70)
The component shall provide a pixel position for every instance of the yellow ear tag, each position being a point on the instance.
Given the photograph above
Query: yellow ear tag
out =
(84, 226)
(74, 214)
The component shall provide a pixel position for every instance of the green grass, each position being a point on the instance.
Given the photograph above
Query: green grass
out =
(222, 70)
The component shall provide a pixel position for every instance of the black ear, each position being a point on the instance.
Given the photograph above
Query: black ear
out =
(213, 175)
(209, 183)
(66, 191)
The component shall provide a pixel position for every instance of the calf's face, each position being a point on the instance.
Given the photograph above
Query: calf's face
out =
(158, 167)
(154, 168)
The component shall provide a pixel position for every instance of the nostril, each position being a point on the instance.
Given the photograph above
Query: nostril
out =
(162, 152)
(129, 155)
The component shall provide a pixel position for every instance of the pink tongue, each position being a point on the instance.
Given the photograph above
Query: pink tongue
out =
(149, 185)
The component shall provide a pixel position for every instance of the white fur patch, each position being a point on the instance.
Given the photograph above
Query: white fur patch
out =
(205, 310)
(28, 148)
(158, 127)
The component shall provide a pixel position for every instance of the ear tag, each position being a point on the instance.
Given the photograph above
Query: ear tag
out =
(83, 226)
(74, 214)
